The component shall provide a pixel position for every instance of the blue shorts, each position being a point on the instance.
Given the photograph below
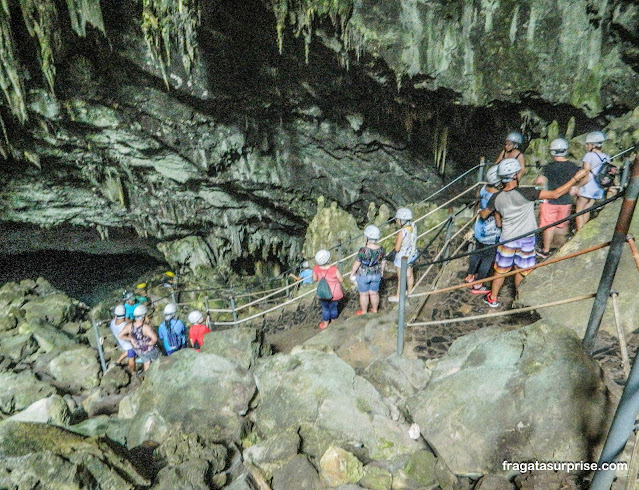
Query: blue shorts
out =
(368, 283)
(130, 354)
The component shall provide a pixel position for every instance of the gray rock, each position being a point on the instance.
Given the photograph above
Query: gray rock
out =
(115, 378)
(240, 345)
(49, 337)
(189, 390)
(56, 309)
(494, 482)
(298, 473)
(339, 467)
(580, 275)
(192, 251)
(192, 474)
(527, 394)
(49, 453)
(179, 447)
(52, 410)
(21, 390)
(114, 428)
(376, 478)
(335, 408)
(76, 368)
(18, 347)
(274, 452)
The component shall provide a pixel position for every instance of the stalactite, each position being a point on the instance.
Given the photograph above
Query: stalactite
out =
(83, 12)
(41, 20)
(10, 79)
(169, 25)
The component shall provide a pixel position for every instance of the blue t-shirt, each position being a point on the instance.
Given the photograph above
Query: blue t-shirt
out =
(307, 276)
(129, 309)
(173, 335)
(486, 230)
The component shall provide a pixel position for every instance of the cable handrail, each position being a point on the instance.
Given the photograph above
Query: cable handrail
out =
(451, 182)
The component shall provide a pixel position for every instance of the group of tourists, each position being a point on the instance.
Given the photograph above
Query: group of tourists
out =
(506, 211)
(131, 327)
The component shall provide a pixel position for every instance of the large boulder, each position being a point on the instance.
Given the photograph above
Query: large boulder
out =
(321, 395)
(52, 410)
(240, 345)
(580, 275)
(519, 395)
(44, 456)
(21, 390)
(114, 428)
(78, 369)
(49, 337)
(56, 309)
(189, 390)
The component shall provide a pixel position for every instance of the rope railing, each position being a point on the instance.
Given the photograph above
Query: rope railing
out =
(503, 313)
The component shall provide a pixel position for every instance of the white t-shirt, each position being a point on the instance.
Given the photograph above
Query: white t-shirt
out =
(115, 330)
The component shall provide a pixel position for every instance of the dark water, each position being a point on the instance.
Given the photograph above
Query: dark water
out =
(87, 277)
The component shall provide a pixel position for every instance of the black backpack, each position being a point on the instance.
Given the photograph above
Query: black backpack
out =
(606, 176)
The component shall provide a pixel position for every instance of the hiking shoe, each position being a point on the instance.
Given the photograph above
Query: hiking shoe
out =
(488, 299)
(480, 290)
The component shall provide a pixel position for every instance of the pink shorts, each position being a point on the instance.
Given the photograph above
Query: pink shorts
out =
(549, 213)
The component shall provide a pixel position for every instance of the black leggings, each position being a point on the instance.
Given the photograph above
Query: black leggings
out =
(482, 261)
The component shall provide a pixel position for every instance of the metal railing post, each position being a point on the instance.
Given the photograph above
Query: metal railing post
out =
(233, 310)
(449, 232)
(339, 256)
(623, 346)
(480, 170)
(625, 174)
(614, 255)
(208, 316)
(401, 316)
(99, 346)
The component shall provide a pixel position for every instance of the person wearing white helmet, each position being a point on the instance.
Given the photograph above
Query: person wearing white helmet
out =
(514, 141)
(405, 246)
(332, 275)
(514, 210)
(367, 270)
(198, 329)
(117, 324)
(142, 337)
(486, 233)
(554, 175)
(306, 274)
(172, 331)
(130, 302)
(590, 190)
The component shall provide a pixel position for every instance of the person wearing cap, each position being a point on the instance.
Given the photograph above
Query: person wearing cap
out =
(554, 175)
(590, 190)
(405, 246)
(172, 331)
(117, 324)
(367, 270)
(198, 329)
(142, 337)
(140, 293)
(487, 233)
(512, 149)
(332, 275)
(130, 302)
(514, 210)
(306, 274)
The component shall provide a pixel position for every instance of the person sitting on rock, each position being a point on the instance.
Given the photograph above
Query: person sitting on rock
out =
(172, 331)
(512, 145)
(486, 233)
(367, 270)
(514, 210)
(142, 337)
(405, 246)
(306, 274)
(554, 175)
(334, 279)
(198, 329)
(116, 326)
(130, 302)
(590, 190)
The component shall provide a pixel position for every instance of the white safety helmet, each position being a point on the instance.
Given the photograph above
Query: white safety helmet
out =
(372, 232)
(170, 310)
(322, 257)
(404, 214)
(596, 138)
(508, 168)
(305, 264)
(195, 317)
(119, 311)
(491, 176)
(558, 147)
(127, 295)
(140, 311)
(515, 137)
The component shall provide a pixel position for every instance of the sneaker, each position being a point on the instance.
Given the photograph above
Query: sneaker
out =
(488, 299)
(541, 254)
(480, 290)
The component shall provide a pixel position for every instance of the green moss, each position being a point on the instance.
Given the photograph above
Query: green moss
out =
(587, 91)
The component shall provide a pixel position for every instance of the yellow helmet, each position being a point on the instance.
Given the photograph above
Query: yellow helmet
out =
(142, 285)
(169, 273)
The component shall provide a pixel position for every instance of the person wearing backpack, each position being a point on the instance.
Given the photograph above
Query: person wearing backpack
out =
(329, 289)
(593, 161)
(405, 246)
(172, 331)
(367, 270)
